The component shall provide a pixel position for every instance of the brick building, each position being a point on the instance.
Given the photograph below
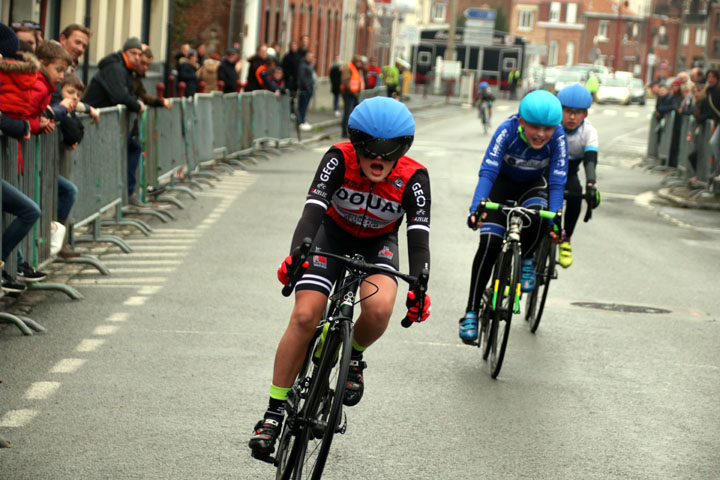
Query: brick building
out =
(557, 25)
(613, 30)
(713, 46)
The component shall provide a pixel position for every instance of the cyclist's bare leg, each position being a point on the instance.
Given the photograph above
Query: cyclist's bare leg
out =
(376, 310)
(305, 317)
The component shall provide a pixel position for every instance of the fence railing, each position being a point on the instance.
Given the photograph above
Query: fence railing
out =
(196, 132)
(691, 156)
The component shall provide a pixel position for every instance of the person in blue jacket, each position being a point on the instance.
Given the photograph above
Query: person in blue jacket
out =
(526, 161)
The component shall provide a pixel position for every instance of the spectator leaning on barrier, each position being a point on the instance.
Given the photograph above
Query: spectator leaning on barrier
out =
(227, 72)
(187, 72)
(273, 80)
(712, 92)
(701, 113)
(208, 72)
(16, 80)
(351, 84)
(306, 88)
(677, 97)
(112, 85)
(139, 91)
(75, 39)
(335, 81)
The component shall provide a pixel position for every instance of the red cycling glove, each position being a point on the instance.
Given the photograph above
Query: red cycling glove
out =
(412, 305)
(282, 272)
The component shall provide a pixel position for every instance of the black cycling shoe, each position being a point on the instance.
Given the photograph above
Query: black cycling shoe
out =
(354, 385)
(262, 443)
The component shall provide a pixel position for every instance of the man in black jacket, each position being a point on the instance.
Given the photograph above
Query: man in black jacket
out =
(113, 85)
(227, 72)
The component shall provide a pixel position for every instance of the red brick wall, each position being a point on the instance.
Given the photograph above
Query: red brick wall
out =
(204, 21)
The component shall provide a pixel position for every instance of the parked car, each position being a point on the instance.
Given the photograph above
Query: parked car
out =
(567, 77)
(613, 90)
(637, 91)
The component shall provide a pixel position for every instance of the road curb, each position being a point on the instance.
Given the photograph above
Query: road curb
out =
(705, 203)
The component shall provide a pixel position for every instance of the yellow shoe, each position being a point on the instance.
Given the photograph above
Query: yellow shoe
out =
(565, 258)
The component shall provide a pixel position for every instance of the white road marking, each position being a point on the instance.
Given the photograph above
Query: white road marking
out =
(149, 290)
(118, 317)
(41, 390)
(135, 301)
(105, 329)
(89, 345)
(68, 365)
(113, 281)
(17, 418)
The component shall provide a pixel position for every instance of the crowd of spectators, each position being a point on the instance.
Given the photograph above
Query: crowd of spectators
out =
(696, 94)
(40, 93)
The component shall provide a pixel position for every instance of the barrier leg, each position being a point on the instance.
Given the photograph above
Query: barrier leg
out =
(178, 188)
(162, 215)
(20, 323)
(139, 224)
(97, 236)
(60, 287)
(86, 260)
(171, 200)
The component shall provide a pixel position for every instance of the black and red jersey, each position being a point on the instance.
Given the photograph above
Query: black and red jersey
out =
(365, 209)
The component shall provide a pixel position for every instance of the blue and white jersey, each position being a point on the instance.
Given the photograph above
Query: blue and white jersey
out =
(583, 139)
(510, 154)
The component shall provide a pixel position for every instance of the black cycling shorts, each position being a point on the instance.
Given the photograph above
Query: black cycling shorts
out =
(323, 271)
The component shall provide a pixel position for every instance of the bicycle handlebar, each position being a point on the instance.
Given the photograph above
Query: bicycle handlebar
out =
(299, 256)
(356, 263)
(484, 205)
(588, 197)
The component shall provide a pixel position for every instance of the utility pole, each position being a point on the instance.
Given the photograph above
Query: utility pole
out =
(648, 42)
(618, 36)
(452, 21)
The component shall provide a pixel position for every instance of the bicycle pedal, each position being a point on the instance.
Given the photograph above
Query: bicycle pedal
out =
(341, 429)
(263, 457)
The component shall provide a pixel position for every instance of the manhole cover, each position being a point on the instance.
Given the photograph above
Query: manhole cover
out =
(617, 307)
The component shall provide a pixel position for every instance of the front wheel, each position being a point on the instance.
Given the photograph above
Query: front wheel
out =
(507, 292)
(321, 418)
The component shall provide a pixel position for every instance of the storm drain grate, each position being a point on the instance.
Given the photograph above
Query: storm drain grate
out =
(618, 307)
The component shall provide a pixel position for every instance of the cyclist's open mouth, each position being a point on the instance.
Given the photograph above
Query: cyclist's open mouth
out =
(377, 168)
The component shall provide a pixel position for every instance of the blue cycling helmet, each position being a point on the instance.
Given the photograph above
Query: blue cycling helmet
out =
(542, 108)
(381, 126)
(575, 96)
(484, 85)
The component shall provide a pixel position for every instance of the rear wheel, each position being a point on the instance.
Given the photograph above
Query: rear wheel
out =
(545, 270)
(485, 323)
(321, 417)
(507, 297)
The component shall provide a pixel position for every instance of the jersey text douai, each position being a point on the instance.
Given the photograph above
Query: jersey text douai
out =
(365, 209)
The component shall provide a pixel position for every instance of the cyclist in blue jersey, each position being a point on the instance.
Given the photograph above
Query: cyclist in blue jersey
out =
(582, 139)
(485, 95)
(526, 161)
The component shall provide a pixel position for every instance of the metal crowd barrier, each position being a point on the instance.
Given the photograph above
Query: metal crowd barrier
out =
(693, 140)
(177, 144)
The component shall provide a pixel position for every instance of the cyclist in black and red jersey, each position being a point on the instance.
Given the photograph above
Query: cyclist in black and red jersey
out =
(361, 192)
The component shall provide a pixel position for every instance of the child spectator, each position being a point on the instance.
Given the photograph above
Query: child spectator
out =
(273, 81)
(72, 132)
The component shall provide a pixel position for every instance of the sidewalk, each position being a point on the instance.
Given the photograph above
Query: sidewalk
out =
(687, 197)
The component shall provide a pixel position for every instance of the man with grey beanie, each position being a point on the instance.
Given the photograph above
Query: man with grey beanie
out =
(113, 85)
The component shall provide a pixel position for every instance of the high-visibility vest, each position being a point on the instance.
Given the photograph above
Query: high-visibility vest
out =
(258, 74)
(356, 80)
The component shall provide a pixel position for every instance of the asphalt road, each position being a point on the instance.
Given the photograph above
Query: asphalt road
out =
(163, 369)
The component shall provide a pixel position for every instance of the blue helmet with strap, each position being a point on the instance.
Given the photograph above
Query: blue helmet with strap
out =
(381, 126)
(542, 108)
(484, 85)
(575, 96)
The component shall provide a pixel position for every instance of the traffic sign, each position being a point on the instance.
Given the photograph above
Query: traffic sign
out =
(480, 14)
